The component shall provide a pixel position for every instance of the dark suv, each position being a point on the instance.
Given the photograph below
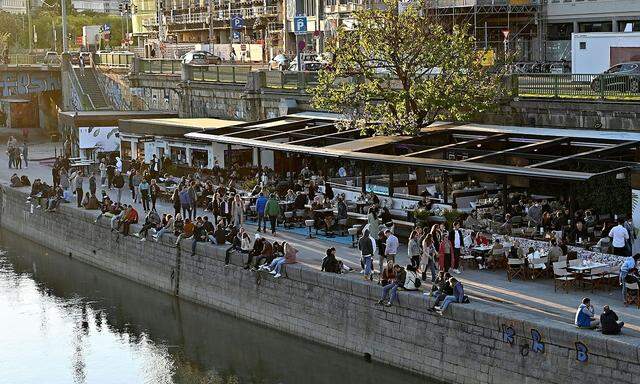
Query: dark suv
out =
(623, 77)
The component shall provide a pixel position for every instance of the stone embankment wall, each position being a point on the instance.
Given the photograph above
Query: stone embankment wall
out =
(472, 343)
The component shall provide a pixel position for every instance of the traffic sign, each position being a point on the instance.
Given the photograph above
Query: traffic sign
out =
(301, 45)
(106, 28)
(300, 25)
(505, 33)
(237, 22)
(236, 35)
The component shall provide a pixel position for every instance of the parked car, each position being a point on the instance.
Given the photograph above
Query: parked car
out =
(51, 58)
(279, 62)
(201, 58)
(310, 62)
(623, 77)
(74, 58)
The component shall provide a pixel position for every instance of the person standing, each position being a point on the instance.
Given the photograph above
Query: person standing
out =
(25, 154)
(154, 192)
(391, 246)
(261, 203)
(92, 184)
(413, 249)
(17, 157)
(428, 257)
(81, 65)
(185, 203)
(78, 180)
(619, 236)
(457, 242)
(154, 167)
(237, 211)
(118, 183)
(193, 198)
(144, 194)
(628, 225)
(367, 246)
(103, 172)
(272, 210)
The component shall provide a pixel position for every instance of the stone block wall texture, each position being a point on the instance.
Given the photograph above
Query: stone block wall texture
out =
(472, 343)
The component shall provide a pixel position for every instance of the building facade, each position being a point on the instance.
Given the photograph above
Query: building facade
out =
(564, 17)
(13, 6)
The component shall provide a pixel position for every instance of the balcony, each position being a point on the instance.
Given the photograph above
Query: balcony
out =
(221, 15)
(343, 8)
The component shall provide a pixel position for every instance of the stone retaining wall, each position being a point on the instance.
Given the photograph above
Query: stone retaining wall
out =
(472, 343)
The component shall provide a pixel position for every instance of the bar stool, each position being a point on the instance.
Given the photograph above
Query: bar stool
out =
(309, 224)
(354, 233)
(299, 214)
(288, 219)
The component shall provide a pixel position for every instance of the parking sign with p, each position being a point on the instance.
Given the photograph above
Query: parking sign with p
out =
(300, 25)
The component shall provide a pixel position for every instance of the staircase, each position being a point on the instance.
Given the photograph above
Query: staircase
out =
(90, 87)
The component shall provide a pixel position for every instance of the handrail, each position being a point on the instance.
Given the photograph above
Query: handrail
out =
(79, 87)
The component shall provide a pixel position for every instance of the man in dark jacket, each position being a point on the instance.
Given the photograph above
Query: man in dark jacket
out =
(609, 322)
(92, 184)
(199, 235)
(118, 183)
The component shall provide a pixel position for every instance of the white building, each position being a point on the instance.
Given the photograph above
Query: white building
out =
(564, 17)
(100, 6)
(13, 6)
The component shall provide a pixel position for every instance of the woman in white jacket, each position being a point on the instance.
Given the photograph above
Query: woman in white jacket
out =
(237, 211)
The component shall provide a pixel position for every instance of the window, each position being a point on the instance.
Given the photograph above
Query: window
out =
(583, 45)
(604, 26)
(125, 149)
(614, 69)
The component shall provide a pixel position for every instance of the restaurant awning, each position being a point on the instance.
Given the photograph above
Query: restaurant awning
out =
(541, 153)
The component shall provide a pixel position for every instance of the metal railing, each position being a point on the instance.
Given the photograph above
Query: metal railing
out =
(161, 66)
(236, 74)
(577, 86)
(114, 59)
(291, 79)
(25, 59)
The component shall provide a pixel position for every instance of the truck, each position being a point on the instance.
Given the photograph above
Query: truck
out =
(91, 35)
(595, 52)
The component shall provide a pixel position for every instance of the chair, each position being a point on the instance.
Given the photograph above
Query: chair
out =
(309, 224)
(562, 277)
(612, 276)
(516, 268)
(517, 232)
(633, 294)
(353, 232)
(529, 232)
(288, 220)
(538, 267)
(516, 221)
(595, 278)
(467, 259)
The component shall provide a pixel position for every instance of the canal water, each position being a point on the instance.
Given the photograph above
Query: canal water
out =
(62, 321)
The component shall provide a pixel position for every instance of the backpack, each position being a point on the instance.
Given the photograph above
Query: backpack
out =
(417, 282)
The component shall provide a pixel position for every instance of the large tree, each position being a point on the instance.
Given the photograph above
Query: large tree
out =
(398, 66)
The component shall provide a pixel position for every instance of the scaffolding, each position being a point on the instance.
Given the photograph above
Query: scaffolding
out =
(522, 21)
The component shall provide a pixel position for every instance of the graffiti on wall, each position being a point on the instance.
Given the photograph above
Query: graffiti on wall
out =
(22, 83)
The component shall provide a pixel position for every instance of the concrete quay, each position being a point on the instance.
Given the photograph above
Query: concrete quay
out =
(481, 342)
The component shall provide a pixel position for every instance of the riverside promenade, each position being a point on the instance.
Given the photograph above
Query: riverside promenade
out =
(511, 332)
(487, 286)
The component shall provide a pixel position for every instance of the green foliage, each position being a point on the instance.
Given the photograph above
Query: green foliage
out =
(605, 194)
(45, 19)
(404, 70)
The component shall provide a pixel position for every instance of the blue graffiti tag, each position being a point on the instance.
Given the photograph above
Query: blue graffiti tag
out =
(537, 345)
(508, 334)
(582, 353)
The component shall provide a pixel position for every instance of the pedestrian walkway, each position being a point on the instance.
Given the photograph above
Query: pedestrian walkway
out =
(490, 286)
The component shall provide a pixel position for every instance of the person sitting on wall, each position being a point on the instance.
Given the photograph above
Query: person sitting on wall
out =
(609, 322)
(89, 201)
(391, 290)
(130, 218)
(266, 254)
(388, 274)
(15, 181)
(444, 289)
(585, 315)
(200, 235)
(220, 235)
(187, 230)
(456, 297)
(54, 199)
(151, 221)
(330, 263)
(255, 251)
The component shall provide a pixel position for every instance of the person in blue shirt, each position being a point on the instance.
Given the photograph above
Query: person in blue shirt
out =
(261, 203)
(458, 294)
(585, 315)
(627, 267)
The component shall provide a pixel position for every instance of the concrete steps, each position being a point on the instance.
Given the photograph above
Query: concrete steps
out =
(90, 87)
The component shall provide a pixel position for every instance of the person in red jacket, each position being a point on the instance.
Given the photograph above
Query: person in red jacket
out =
(130, 217)
(445, 254)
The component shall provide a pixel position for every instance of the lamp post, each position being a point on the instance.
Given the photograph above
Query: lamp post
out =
(65, 43)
